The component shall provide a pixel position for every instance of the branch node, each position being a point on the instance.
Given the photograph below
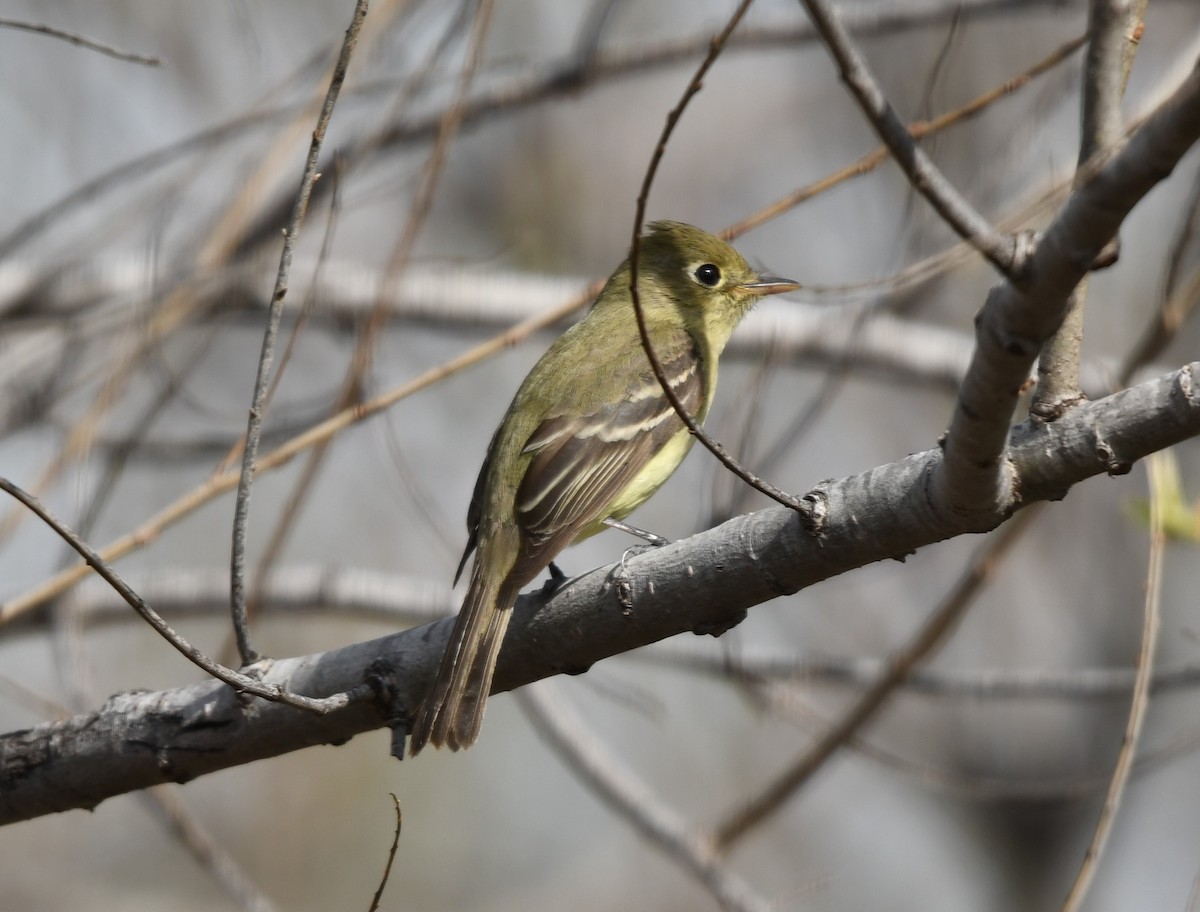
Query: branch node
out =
(1107, 456)
(1024, 246)
(719, 626)
(1046, 411)
(1108, 255)
(380, 680)
(814, 512)
(167, 768)
(1184, 386)
(1015, 344)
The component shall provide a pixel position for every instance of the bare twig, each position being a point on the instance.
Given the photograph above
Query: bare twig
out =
(360, 362)
(241, 514)
(922, 173)
(287, 518)
(238, 681)
(387, 868)
(918, 130)
(636, 803)
(81, 41)
(1141, 694)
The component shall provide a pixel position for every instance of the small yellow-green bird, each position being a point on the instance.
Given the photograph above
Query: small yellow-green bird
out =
(588, 438)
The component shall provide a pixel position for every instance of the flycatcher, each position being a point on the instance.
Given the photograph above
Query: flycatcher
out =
(589, 437)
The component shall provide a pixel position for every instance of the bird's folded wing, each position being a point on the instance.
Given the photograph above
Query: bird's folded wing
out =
(582, 463)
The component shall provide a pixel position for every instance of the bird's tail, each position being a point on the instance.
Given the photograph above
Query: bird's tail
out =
(452, 713)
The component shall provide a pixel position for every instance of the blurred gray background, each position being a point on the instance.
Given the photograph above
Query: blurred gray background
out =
(949, 802)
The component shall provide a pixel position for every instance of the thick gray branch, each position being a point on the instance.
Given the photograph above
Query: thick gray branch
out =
(976, 481)
(704, 584)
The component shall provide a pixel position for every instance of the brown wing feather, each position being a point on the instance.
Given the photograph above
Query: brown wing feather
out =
(475, 510)
(581, 463)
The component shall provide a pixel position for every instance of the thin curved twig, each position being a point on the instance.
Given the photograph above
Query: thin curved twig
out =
(240, 682)
(387, 868)
(660, 149)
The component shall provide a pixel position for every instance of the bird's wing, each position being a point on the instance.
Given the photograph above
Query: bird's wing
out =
(475, 510)
(582, 463)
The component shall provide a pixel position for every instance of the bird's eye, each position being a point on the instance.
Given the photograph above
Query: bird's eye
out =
(708, 274)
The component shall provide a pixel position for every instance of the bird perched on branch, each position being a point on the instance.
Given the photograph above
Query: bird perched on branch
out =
(588, 438)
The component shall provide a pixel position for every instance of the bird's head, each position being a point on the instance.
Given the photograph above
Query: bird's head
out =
(701, 277)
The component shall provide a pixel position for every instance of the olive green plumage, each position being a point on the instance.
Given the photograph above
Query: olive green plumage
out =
(589, 436)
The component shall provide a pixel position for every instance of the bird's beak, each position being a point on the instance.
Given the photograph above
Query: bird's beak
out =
(769, 285)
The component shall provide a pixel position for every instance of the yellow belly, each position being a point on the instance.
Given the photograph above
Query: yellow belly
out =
(661, 467)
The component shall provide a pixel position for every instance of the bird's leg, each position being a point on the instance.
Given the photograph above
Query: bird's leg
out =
(656, 540)
(556, 581)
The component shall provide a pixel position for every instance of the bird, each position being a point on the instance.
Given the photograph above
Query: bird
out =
(589, 436)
